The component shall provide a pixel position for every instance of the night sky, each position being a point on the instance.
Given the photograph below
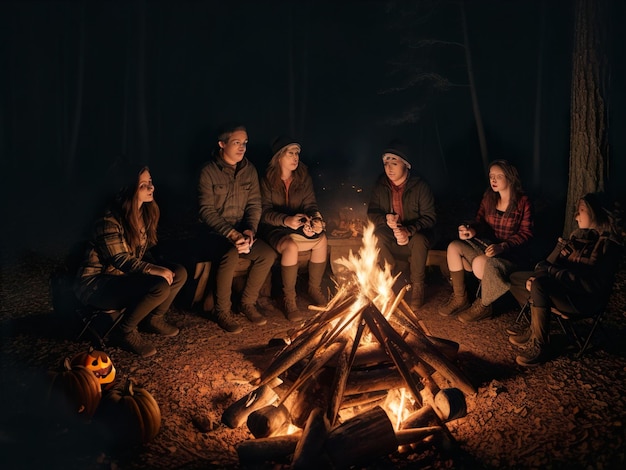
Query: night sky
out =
(158, 77)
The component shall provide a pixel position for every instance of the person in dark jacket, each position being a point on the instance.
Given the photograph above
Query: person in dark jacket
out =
(230, 210)
(492, 246)
(402, 208)
(575, 278)
(292, 223)
(119, 272)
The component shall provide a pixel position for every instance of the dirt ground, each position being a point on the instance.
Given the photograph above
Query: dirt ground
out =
(569, 413)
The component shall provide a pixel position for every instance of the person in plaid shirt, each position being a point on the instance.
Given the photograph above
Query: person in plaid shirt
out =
(492, 246)
(119, 272)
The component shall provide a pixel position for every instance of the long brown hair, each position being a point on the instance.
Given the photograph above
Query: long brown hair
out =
(512, 176)
(273, 170)
(149, 212)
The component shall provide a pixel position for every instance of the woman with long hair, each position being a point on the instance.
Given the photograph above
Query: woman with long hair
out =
(118, 271)
(575, 278)
(492, 246)
(291, 222)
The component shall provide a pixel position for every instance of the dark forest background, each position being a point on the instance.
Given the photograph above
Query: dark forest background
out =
(84, 84)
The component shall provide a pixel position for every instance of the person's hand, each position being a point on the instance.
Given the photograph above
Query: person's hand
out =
(241, 242)
(249, 235)
(392, 221)
(307, 229)
(494, 250)
(466, 232)
(296, 221)
(318, 225)
(529, 282)
(163, 272)
(402, 235)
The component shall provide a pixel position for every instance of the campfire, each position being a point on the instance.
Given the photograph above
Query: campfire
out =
(362, 378)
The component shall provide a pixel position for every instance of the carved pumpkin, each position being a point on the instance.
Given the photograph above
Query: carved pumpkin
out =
(132, 414)
(73, 390)
(99, 363)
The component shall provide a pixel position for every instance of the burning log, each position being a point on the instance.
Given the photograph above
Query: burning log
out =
(362, 399)
(309, 451)
(412, 436)
(267, 449)
(269, 421)
(365, 437)
(237, 413)
(314, 393)
(374, 380)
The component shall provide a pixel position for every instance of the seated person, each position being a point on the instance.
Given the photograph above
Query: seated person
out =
(402, 208)
(492, 246)
(575, 278)
(230, 210)
(118, 272)
(291, 222)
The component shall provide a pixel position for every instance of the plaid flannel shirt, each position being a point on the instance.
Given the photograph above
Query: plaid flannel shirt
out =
(513, 230)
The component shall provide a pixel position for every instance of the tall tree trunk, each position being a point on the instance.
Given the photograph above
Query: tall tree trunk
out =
(480, 129)
(589, 128)
(539, 100)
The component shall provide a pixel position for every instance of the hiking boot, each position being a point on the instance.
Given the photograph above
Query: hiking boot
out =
(227, 322)
(158, 325)
(476, 312)
(133, 342)
(521, 339)
(417, 297)
(317, 297)
(454, 304)
(536, 354)
(292, 312)
(252, 314)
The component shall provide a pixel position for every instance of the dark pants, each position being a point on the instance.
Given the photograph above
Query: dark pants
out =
(547, 292)
(141, 294)
(415, 252)
(219, 250)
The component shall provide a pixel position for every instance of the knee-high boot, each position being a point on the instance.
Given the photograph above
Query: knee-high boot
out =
(539, 344)
(458, 300)
(316, 275)
(289, 275)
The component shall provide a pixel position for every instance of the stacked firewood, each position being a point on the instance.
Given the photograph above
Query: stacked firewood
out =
(339, 371)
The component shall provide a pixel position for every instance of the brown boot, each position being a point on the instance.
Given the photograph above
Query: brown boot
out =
(417, 296)
(458, 301)
(316, 275)
(156, 324)
(476, 312)
(289, 276)
(133, 341)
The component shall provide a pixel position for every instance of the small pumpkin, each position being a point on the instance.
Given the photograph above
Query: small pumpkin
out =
(73, 390)
(131, 413)
(99, 363)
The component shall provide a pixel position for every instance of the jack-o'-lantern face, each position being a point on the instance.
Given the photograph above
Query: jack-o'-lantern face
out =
(99, 363)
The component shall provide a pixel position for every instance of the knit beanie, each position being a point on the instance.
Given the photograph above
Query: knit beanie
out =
(396, 149)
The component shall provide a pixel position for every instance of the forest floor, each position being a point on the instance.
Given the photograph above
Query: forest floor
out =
(568, 413)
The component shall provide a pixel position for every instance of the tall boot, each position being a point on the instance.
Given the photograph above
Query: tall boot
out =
(316, 274)
(289, 276)
(458, 300)
(129, 338)
(538, 350)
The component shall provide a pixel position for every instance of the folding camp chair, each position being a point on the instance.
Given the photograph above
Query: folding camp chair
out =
(96, 320)
(568, 321)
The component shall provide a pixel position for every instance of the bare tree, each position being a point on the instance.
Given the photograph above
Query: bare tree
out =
(589, 148)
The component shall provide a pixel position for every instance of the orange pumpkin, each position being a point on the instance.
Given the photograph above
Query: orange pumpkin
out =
(132, 414)
(73, 390)
(99, 363)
